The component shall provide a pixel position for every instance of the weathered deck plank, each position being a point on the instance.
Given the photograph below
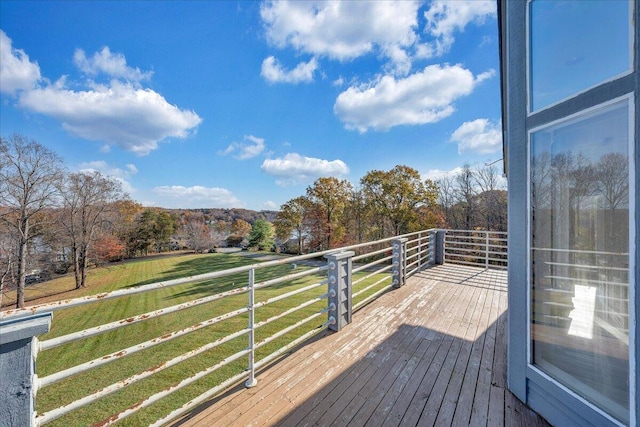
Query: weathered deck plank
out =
(430, 353)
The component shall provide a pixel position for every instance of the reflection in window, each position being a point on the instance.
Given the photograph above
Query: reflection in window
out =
(575, 45)
(580, 261)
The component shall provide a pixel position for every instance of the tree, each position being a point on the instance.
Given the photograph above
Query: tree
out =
(612, 174)
(29, 177)
(490, 198)
(240, 228)
(329, 195)
(219, 231)
(465, 192)
(198, 234)
(7, 258)
(396, 195)
(124, 225)
(108, 248)
(88, 200)
(292, 218)
(429, 214)
(356, 217)
(374, 202)
(261, 235)
(447, 198)
(153, 229)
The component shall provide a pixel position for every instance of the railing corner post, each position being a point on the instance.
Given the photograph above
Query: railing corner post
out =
(18, 347)
(340, 281)
(399, 262)
(439, 247)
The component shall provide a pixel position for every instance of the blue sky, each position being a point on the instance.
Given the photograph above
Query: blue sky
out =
(244, 104)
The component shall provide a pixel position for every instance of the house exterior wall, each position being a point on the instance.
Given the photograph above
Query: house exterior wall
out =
(557, 403)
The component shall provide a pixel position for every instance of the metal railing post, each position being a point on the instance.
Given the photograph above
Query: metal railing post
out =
(18, 351)
(486, 251)
(340, 282)
(251, 382)
(399, 262)
(431, 246)
(419, 251)
(439, 247)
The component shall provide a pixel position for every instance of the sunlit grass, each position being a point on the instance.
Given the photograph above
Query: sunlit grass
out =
(143, 272)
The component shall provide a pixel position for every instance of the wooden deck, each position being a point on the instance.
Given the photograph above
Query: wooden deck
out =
(430, 353)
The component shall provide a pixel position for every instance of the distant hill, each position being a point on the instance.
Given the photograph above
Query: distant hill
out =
(230, 215)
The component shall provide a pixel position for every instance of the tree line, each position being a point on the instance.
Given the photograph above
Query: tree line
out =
(334, 213)
(54, 221)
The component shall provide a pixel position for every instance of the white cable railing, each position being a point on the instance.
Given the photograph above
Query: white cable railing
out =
(476, 248)
(376, 268)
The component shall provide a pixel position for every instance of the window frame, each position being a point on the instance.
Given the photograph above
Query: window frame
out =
(629, 97)
(630, 69)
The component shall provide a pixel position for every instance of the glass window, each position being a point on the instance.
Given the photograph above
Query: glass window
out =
(580, 255)
(575, 45)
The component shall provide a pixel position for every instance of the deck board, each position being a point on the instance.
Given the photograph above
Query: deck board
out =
(430, 353)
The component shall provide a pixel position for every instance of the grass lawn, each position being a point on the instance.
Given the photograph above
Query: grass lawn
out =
(149, 271)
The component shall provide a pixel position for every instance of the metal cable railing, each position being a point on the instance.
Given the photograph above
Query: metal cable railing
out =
(476, 248)
(376, 271)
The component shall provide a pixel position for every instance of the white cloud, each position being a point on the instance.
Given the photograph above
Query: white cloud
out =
(245, 150)
(479, 136)
(17, 72)
(424, 97)
(342, 30)
(400, 61)
(444, 18)
(177, 196)
(120, 114)
(436, 174)
(270, 205)
(485, 76)
(121, 175)
(295, 169)
(111, 64)
(274, 72)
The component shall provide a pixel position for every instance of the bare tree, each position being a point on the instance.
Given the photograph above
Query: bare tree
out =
(198, 234)
(465, 192)
(612, 174)
(89, 199)
(7, 259)
(29, 177)
(219, 231)
(447, 198)
(490, 197)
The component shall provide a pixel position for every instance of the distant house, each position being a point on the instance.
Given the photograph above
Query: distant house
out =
(570, 90)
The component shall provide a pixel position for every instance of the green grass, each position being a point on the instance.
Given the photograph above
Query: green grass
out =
(149, 271)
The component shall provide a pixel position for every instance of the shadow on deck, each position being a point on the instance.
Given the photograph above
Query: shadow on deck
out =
(430, 353)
